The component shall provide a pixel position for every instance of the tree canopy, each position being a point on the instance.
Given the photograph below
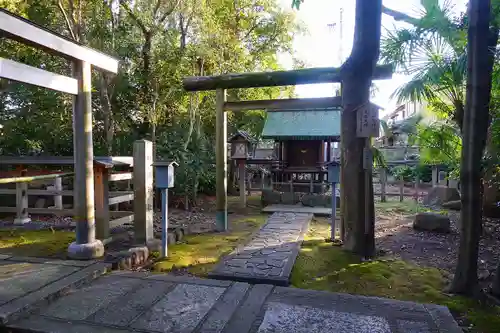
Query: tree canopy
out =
(158, 43)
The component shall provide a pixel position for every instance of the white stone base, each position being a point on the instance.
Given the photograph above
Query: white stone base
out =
(21, 221)
(86, 251)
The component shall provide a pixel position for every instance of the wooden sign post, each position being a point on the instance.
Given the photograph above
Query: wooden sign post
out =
(368, 125)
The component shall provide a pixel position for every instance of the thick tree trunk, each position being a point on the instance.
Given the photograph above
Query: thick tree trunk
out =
(496, 282)
(357, 197)
(475, 128)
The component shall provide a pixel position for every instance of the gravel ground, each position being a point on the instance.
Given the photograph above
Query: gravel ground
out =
(197, 221)
(396, 236)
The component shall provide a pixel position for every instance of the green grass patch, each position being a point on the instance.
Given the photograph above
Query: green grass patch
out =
(200, 253)
(35, 243)
(406, 207)
(323, 266)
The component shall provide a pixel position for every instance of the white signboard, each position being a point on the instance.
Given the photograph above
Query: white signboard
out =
(368, 124)
(367, 159)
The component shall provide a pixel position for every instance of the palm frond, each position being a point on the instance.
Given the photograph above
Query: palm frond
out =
(416, 90)
(386, 129)
(409, 125)
(398, 46)
(378, 158)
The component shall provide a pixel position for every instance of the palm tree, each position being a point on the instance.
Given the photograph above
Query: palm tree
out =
(433, 52)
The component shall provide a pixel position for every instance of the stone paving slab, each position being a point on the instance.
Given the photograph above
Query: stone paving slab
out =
(27, 282)
(279, 208)
(126, 303)
(270, 254)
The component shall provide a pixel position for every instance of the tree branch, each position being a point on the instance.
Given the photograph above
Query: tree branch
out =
(66, 19)
(134, 17)
(399, 16)
(167, 13)
(157, 7)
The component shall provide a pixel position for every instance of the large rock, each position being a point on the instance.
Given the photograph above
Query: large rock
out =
(270, 197)
(432, 222)
(492, 210)
(453, 205)
(441, 194)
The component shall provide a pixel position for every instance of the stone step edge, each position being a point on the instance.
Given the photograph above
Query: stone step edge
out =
(275, 281)
(33, 301)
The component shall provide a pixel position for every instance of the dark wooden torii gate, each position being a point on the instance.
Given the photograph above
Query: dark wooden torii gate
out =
(220, 83)
(82, 58)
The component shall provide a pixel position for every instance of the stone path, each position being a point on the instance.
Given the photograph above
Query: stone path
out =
(25, 283)
(137, 302)
(270, 254)
(320, 211)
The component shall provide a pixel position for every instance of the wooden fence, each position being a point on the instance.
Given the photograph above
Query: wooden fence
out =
(104, 174)
(383, 187)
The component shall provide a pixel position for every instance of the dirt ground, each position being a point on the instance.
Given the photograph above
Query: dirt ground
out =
(394, 233)
(396, 237)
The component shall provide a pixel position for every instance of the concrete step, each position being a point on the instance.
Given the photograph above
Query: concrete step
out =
(29, 284)
(128, 302)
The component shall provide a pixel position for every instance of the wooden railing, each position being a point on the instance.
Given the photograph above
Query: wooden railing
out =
(22, 192)
(402, 189)
(104, 198)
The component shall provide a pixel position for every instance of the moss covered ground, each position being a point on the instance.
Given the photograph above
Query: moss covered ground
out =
(35, 243)
(324, 266)
(199, 253)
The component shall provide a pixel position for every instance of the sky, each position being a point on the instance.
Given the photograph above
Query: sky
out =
(322, 46)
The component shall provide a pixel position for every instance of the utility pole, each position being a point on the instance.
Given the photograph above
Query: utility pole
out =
(340, 52)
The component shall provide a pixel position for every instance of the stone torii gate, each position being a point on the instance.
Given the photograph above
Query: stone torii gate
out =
(255, 80)
(82, 58)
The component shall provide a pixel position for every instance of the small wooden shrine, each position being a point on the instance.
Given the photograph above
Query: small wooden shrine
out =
(303, 146)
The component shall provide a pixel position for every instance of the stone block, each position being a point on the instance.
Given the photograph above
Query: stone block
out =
(270, 197)
(315, 200)
(83, 302)
(432, 222)
(181, 310)
(290, 198)
(281, 318)
(19, 278)
(179, 234)
(453, 205)
(124, 309)
(441, 194)
(223, 310)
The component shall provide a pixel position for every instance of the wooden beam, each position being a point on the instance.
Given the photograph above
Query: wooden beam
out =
(143, 192)
(27, 32)
(221, 161)
(120, 176)
(23, 73)
(32, 178)
(284, 104)
(40, 211)
(65, 160)
(101, 195)
(39, 192)
(272, 79)
(85, 246)
(121, 198)
(121, 221)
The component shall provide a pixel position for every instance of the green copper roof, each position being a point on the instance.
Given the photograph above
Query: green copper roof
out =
(303, 124)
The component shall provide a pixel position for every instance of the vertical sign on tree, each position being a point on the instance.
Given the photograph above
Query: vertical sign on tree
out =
(368, 123)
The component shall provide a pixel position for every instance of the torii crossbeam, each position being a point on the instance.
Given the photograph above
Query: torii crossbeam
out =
(254, 80)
